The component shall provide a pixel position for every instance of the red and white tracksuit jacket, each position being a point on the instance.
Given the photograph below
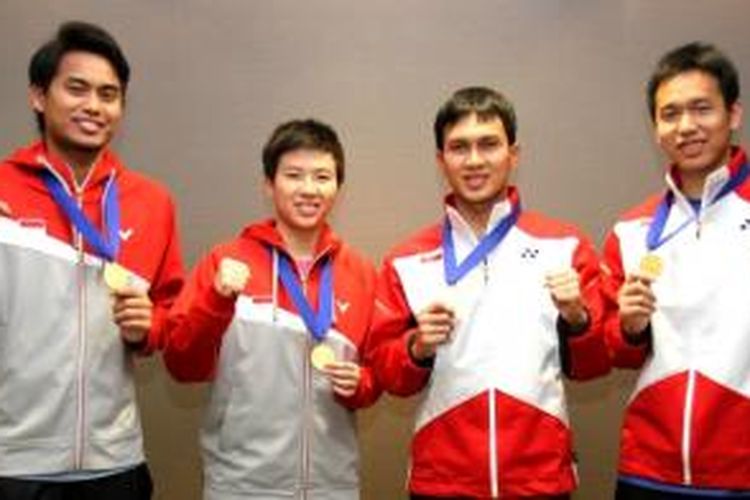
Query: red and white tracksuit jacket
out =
(273, 427)
(688, 420)
(67, 400)
(492, 421)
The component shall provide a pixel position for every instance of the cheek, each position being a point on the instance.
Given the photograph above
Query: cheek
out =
(330, 193)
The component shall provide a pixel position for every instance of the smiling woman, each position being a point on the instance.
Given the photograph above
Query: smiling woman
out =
(303, 192)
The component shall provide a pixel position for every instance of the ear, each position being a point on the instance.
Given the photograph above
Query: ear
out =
(37, 98)
(514, 153)
(440, 161)
(735, 116)
(268, 187)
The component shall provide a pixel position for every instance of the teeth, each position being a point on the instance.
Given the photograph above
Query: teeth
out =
(88, 126)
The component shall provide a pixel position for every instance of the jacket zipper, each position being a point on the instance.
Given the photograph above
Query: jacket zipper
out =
(81, 355)
(494, 486)
(687, 422)
(307, 390)
(306, 380)
(687, 417)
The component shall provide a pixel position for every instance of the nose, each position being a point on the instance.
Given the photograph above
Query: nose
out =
(93, 103)
(474, 158)
(686, 123)
(309, 186)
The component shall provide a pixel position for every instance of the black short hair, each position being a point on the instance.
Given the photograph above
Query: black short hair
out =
(485, 102)
(308, 134)
(695, 56)
(75, 36)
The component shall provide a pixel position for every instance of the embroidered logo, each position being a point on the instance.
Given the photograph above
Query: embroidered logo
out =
(529, 253)
(37, 224)
(125, 234)
(342, 306)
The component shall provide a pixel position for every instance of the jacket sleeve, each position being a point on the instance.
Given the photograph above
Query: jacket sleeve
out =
(584, 353)
(369, 389)
(196, 325)
(165, 286)
(623, 353)
(392, 326)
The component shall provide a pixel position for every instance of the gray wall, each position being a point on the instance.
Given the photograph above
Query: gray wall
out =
(212, 78)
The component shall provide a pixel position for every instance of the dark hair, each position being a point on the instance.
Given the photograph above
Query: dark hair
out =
(302, 134)
(695, 56)
(70, 37)
(486, 103)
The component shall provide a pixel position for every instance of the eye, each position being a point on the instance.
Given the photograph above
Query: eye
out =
(669, 115)
(489, 144)
(702, 108)
(457, 148)
(77, 88)
(109, 94)
(291, 174)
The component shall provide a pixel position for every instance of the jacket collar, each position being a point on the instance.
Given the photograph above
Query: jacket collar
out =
(36, 157)
(267, 233)
(500, 210)
(714, 182)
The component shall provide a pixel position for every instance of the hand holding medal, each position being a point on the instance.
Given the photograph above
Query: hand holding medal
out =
(344, 377)
(231, 277)
(636, 300)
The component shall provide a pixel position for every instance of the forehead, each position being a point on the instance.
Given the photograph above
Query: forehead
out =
(473, 127)
(87, 66)
(307, 159)
(686, 87)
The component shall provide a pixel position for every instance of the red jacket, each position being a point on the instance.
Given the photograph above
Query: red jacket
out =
(492, 420)
(687, 420)
(273, 423)
(59, 341)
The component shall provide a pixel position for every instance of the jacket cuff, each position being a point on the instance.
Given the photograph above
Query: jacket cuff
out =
(566, 330)
(426, 363)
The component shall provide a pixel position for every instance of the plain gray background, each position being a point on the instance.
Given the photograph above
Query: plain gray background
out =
(212, 78)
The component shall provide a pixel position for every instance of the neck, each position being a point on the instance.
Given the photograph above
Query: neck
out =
(478, 214)
(80, 161)
(692, 181)
(692, 184)
(299, 243)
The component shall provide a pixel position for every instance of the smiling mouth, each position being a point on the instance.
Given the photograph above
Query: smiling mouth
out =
(691, 148)
(475, 181)
(308, 209)
(88, 126)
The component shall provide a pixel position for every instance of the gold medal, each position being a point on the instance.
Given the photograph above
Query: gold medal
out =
(651, 266)
(321, 356)
(116, 277)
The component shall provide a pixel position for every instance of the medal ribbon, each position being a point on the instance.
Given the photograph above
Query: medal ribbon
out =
(107, 245)
(455, 271)
(317, 324)
(655, 237)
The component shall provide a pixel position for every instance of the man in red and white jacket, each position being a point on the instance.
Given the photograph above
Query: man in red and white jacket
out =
(277, 320)
(676, 290)
(69, 425)
(484, 312)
